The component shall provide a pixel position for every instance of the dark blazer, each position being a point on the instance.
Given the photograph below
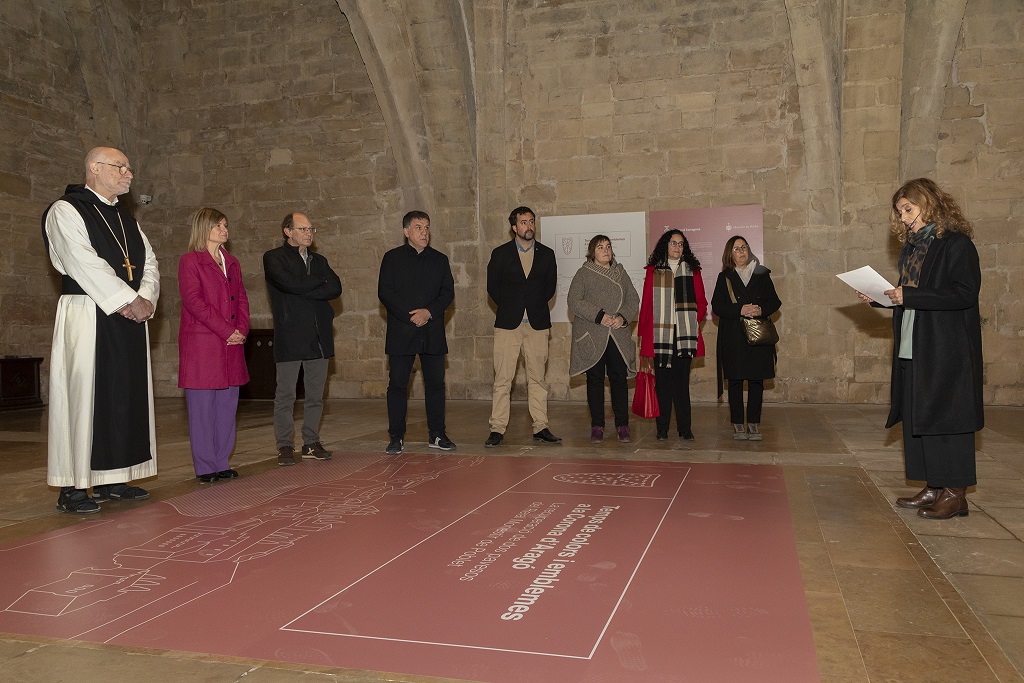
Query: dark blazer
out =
(303, 318)
(737, 359)
(516, 294)
(948, 369)
(410, 280)
(212, 308)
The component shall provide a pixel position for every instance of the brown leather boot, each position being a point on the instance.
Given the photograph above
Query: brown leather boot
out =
(951, 503)
(923, 499)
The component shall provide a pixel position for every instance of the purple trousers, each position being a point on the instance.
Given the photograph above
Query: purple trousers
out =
(211, 427)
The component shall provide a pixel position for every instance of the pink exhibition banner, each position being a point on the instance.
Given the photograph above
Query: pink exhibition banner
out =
(707, 231)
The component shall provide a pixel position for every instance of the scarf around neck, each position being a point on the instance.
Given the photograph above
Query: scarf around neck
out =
(675, 313)
(746, 271)
(912, 255)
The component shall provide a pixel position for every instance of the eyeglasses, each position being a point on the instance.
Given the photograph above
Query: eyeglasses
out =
(743, 248)
(309, 230)
(123, 169)
(675, 243)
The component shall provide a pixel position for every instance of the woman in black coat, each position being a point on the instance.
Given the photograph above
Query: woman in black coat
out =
(744, 289)
(937, 371)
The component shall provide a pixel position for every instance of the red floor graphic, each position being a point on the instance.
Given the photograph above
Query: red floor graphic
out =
(488, 569)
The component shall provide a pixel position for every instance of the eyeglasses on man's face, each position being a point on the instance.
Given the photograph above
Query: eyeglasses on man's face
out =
(123, 169)
(742, 248)
(309, 230)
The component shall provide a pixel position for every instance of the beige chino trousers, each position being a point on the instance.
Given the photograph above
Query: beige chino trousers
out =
(507, 346)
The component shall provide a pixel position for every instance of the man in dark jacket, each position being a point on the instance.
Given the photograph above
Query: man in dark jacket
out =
(521, 279)
(301, 285)
(416, 287)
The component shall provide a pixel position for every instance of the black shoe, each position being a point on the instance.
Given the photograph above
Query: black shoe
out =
(441, 442)
(119, 492)
(207, 478)
(494, 439)
(76, 501)
(686, 434)
(396, 447)
(316, 450)
(227, 474)
(546, 436)
(285, 456)
(662, 436)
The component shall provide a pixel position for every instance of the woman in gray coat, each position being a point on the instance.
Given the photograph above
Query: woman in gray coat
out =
(603, 303)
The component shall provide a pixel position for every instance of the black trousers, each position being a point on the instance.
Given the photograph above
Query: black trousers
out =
(398, 392)
(755, 396)
(940, 460)
(612, 363)
(672, 385)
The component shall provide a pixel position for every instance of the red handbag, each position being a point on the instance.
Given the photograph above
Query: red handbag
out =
(645, 400)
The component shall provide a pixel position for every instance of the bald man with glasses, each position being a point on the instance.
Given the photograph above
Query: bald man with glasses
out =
(101, 428)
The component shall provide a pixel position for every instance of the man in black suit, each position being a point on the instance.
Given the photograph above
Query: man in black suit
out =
(416, 287)
(521, 279)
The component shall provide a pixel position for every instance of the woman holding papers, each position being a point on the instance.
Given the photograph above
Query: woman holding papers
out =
(744, 290)
(937, 366)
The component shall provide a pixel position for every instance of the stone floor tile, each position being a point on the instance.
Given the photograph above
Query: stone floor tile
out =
(839, 657)
(999, 493)
(1012, 519)
(895, 601)
(976, 555)
(922, 659)
(10, 649)
(992, 595)
(1009, 631)
(41, 663)
(872, 544)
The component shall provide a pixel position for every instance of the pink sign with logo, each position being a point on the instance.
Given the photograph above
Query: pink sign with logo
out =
(707, 231)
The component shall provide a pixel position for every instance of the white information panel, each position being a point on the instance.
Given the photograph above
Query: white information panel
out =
(569, 236)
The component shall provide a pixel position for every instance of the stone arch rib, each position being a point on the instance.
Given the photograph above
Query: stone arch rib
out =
(813, 29)
(385, 47)
(926, 72)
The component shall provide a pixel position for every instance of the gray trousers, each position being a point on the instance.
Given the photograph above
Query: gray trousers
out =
(314, 378)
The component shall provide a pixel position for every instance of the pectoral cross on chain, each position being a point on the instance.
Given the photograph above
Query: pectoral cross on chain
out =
(127, 265)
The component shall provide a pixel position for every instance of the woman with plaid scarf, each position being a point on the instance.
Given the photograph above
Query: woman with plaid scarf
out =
(671, 310)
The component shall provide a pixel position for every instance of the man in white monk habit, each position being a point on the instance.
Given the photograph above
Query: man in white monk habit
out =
(102, 431)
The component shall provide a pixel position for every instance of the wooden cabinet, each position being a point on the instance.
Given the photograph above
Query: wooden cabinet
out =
(19, 382)
(259, 359)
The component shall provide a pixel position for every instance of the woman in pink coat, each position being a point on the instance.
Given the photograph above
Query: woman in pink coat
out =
(214, 324)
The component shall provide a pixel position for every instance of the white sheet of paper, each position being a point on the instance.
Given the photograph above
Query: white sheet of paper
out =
(867, 281)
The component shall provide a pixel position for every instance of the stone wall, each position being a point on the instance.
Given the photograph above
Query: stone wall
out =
(259, 109)
(981, 153)
(612, 109)
(357, 111)
(66, 84)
